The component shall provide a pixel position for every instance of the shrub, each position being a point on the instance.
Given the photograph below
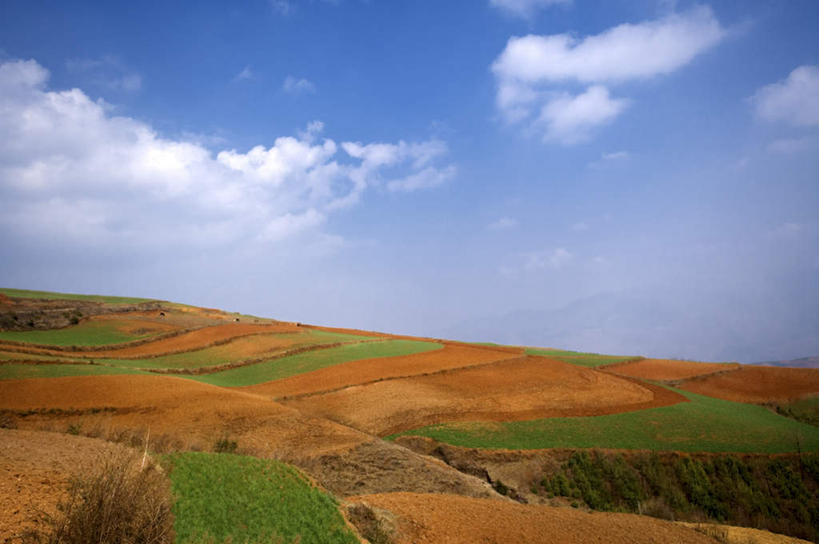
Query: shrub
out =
(225, 445)
(125, 501)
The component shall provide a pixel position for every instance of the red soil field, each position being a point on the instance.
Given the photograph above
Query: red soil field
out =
(369, 370)
(758, 384)
(516, 389)
(668, 369)
(35, 468)
(452, 519)
(188, 341)
(192, 413)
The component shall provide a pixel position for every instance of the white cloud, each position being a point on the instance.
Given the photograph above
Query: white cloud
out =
(245, 74)
(294, 85)
(107, 72)
(532, 69)
(70, 170)
(283, 7)
(570, 119)
(794, 101)
(504, 223)
(580, 226)
(615, 156)
(525, 8)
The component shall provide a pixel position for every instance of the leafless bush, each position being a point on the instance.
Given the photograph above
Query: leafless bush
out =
(126, 500)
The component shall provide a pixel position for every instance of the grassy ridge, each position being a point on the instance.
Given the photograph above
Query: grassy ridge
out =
(580, 358)
(25, 293)
(703, 424)
(233, 498)
(14, 371)
(89, 333)
(307, 362)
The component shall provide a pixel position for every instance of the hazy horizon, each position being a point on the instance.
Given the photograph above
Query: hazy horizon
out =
(630, 177)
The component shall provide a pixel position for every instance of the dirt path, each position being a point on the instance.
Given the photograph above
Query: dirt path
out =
(514, 389)
(451, 519)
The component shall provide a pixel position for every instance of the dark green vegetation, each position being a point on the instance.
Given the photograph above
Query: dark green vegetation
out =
(24, 293)
(780, 494)
(804, 410)
(89, 333)
(314, 360)
(703, 424)
(582, 359)
(248, 500)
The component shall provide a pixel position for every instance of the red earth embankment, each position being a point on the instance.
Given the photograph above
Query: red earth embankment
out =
(668, 369)
(758, 384)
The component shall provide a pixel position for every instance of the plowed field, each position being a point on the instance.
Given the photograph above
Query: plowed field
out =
(516, 389)
(370, 370)
(192, 413)
(669, 369)
(758, 384)
(450, 519)
(35, 468)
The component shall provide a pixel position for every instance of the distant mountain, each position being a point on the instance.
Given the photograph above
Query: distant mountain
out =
(804, 362)
(703, 326)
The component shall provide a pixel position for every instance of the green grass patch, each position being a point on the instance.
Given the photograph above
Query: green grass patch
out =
(239, 499)
(25, 293)
(14, 371)
(703, 424)
(15, 356)
(805, 410)
(89, 333)
(580, 358)
(307, 362)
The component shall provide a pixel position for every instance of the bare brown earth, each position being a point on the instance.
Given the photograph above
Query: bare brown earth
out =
(451, 519)
(190, 415)
(514, 389)
(370, 370)
(758, 384)
(742, 535)
(668, 369)
(35, 468)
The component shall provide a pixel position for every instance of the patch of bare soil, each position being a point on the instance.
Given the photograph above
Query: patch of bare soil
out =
(515, 389)
(741, 535)
(35, 468)
(668, 369)
(758, 384)
(452, 519)
(378, 369)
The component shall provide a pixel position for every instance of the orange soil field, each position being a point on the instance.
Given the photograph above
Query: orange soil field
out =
(188, 341)
(452, 519)
(668, 369)
(369, 370)
(192, 413)
(758, 384)
(35, 468)
(516, 389)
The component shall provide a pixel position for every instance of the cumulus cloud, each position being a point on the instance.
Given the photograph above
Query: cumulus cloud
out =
(525, 8)
(71, 170)
(794, 101)
(295, 85)
(532, 69)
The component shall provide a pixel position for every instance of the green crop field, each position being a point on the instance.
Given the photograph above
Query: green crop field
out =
(14, 371)
(227, 353)
(88, 333)
(582, 359)
(24, 293)
(703, 424)
(307, 362)
(231, 498)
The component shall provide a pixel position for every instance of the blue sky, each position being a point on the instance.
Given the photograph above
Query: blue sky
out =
(622, 176)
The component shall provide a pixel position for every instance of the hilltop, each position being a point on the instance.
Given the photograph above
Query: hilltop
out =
(394, 438)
